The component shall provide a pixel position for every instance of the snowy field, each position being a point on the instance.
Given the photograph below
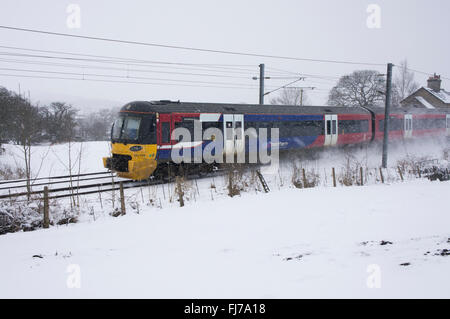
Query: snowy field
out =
(53, 160)
(375, 241)
(321, 242)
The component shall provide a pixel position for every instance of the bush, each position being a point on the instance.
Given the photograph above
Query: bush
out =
(7, 172)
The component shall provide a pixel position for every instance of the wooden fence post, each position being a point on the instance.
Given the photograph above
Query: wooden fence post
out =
(180, 191)
(46, 212)
(400, 173)
(230, 183)
(305, 182)
(381, 174)
(122, 200)
(334, 176)
(362, 178)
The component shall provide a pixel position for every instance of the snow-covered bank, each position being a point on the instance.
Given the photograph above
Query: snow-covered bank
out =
(53, 160)
(321, 242)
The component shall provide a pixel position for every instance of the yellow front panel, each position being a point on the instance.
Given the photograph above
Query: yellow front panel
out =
(142, 163)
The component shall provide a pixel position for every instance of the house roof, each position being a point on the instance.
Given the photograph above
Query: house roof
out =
(424, 102)
(442, 95)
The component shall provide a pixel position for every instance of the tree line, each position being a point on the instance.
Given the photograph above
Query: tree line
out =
(22, 122)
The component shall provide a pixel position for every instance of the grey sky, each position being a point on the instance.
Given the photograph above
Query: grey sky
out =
(337, 30)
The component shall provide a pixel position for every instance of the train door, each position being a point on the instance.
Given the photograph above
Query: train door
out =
(331, 130)
(239, 141)
(164, 129)
(447, 123)
(233, 133)
(408, 126)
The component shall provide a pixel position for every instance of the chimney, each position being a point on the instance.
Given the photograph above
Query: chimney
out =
(434, 83)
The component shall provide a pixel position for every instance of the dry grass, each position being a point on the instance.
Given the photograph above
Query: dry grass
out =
(7, 172)
(304, 178)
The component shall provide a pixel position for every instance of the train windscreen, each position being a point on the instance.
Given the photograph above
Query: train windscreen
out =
(137, 129)
(126, 128)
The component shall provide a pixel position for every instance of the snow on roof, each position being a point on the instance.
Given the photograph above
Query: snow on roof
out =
(424, 102)
(442, 95)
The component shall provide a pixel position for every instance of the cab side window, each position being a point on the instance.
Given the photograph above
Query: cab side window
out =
(165, 132)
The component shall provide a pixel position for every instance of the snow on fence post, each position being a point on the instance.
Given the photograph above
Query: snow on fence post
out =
(334, 176)
(381, 174)
(122, 199)
(46, 212)
(361, 173)
(400, 173)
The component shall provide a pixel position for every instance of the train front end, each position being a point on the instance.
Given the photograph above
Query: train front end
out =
(133, 145)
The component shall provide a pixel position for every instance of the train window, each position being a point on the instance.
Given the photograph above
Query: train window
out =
(238, 130)
(251, 125)
(207, 125)
(229, 126)
(334, 126)
(148, 130)
(328, 127)
(429, 123)
(117, 128)
(165, 132)
(300, 128)
(131, 128)
(353, 126)
(189, 124)
(395, 124)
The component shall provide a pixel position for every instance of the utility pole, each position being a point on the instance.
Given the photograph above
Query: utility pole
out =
(261, 83)
(386, 114)
(301, 88)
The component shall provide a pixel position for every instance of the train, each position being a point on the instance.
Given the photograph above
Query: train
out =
(142, 141)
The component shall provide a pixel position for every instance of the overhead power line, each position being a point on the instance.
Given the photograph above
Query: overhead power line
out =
(123, 77)
(209, 65)
(156, 65)
(422, 72)
(284, 86)
(84, 66)
(186, 48)
(119, 81)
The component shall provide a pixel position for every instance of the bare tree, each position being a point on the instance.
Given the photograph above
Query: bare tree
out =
(361, 88)
(60, 118)
(29, 130)
(404, 83)
(291, 96)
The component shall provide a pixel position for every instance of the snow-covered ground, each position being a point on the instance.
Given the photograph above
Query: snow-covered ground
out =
(293, 243)
(53, 160)
(321, 242)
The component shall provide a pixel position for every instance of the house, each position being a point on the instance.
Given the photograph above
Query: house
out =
(430, 97)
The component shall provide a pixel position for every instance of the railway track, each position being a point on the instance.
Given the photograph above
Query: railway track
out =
(11, 181)
(86, 189)
(73, 181)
